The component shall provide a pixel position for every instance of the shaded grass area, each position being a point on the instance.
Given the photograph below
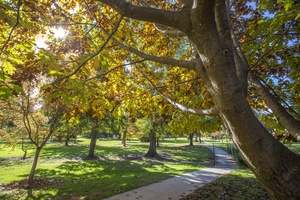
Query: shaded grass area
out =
(239, 184)
(116, 169)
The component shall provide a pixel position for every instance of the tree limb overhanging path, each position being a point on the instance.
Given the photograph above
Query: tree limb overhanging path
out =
(180, 186)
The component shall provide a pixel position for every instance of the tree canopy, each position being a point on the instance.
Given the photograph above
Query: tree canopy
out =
(235, 60)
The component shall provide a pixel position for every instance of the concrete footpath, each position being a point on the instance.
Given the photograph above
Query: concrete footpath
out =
(180, 186)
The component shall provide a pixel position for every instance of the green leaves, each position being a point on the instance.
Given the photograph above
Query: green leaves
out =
(56, 73)
(8, 89)
(288, 4)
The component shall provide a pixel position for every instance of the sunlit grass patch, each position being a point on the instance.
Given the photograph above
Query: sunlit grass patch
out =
(116, 169)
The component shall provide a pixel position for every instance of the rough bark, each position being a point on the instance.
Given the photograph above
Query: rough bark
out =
(283, 117)
(93, 142)
(34, 164)
(276, 167)
(164, 17)
(152, 146)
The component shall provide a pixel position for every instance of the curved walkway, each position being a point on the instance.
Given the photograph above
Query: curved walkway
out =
(180, 186)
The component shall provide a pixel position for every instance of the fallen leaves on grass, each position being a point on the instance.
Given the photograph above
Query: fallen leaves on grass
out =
(36, 183)
(230, 187)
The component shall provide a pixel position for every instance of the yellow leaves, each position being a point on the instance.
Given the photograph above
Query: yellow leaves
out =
(96, 63)
(8, 68)
(56, 73)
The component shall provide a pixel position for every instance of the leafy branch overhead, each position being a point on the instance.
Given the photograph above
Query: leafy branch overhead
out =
(237, 60)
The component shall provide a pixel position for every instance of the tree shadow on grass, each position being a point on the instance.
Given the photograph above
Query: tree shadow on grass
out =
(116, 170)
(104, 178)
(98, 179)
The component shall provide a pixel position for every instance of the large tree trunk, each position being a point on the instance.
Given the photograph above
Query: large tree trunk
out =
(34, 164)
(276, 167)
(207, 26)
(93, 142)
(284, 118)
(152, 147)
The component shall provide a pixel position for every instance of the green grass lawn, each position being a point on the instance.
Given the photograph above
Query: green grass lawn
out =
(120, 169)
(116, 170)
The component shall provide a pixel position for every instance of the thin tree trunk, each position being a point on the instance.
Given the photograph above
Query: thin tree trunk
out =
(196, 137)
(93, 142)
(34, 164)
(191, 139)
(124, 135)
(125, 132)
(25, 154)
(152, 147)
(67, 140)
(23, 149)
(157, 142)
(75, 140)
(200, 139)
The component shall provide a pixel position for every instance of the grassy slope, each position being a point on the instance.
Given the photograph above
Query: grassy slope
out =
(106, 176)
(239, 184)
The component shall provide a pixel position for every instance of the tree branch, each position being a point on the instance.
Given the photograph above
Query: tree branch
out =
(171, 32)
(115, 68)
(93, 55)
(271, 48)
(13, 28)
(190, 65)
(210, 111)
(168, 18)
(239, 56)
(161, 28)
(284, 118)
(278, 97)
